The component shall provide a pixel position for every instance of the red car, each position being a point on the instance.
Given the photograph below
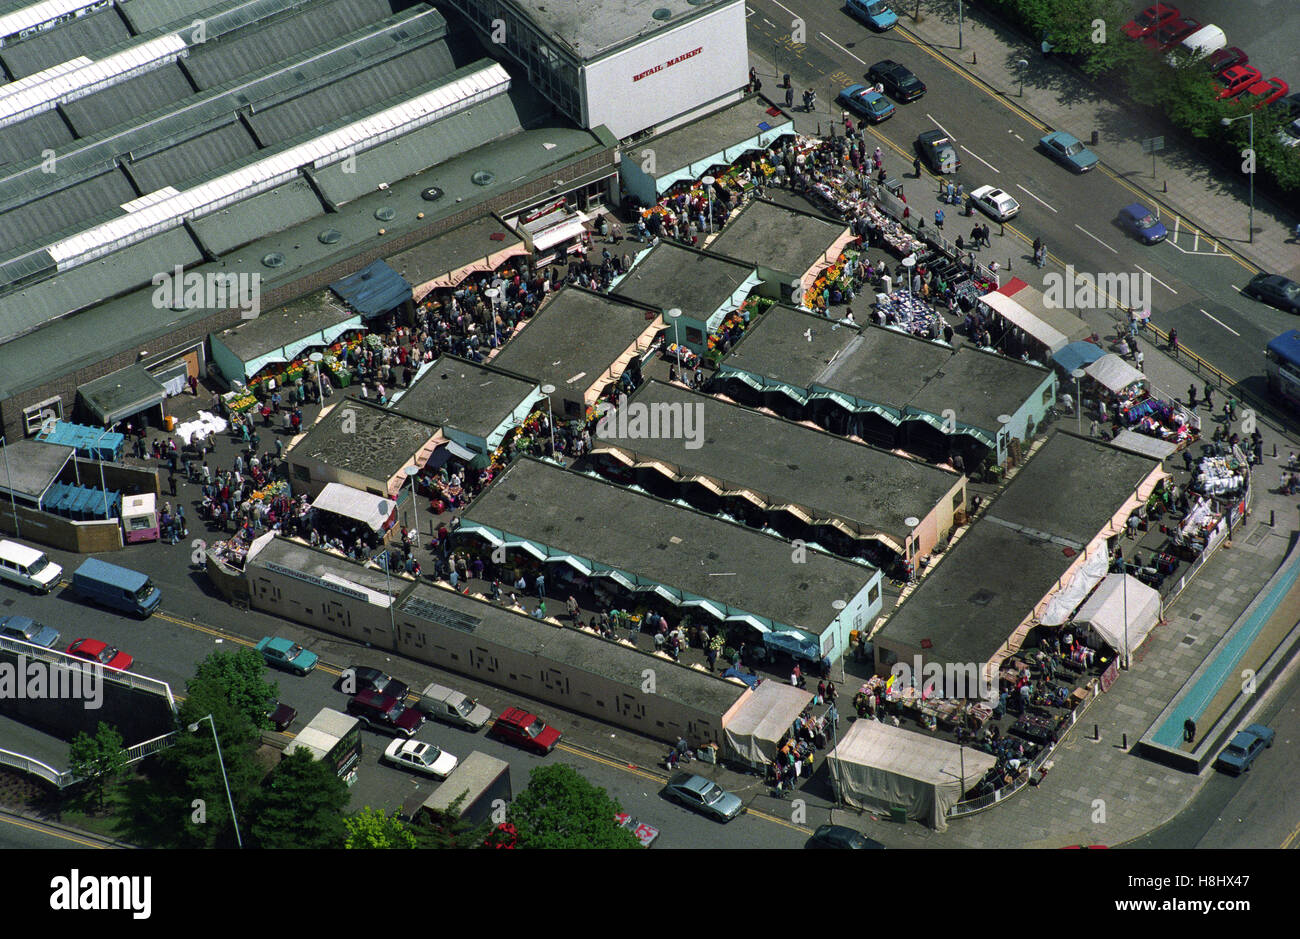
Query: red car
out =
(1217, 62)
(517, 726)
(1149, 20)
(93, 650)
(1171, 34)
(1237, 79)
(1268, 91)
(384, 712)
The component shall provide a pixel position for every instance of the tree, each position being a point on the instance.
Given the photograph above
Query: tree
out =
(561, 809)
(448, 830)
(374, 828)
(300, 806)
(97, 759)
(242, 677)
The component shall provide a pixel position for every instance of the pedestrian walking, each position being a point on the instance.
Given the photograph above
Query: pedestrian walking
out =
(171, 482)
(938, 218)
(572, 605)
(1189, 730)
(1173, 342)
(916, 167)
(1209, 398)
(789, 96)
(540, 584)
(1191, 396)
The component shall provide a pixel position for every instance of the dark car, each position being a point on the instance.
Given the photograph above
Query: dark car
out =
(938, 150)
(372, 679)
(384, 712)
(1141, 223)
(1171, 34)
(897, 80)
(1275, 290)
(1241, 751)
(282, 715)
(837, 836)
(517, 726)
(1220, 61)
(28, 630)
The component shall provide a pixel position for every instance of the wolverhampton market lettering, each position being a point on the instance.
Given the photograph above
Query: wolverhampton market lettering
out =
(316, 581)
(671, 62)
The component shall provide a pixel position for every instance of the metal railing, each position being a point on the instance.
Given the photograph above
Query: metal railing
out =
(65, 778)
(63, 659)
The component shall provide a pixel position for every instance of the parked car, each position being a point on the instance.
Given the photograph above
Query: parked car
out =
(1216, 62)
(384, 712)
(454, 707)
(704, 796)
(995, 202)
(372, 679)
(1141, 223)
(938, 150)
(866, 102)
(897, 80)
(279, 652)
(1275, 290)
(1068, 150)
(28, 630)
(28, 567)
(1150, 19)
(1237, 79)
(420, 758)
(119, 587)
(646, 834)
(517, 726)
(1289, 135)
(838, 836)
(1242, 750)
(1171, 33)
(874, 13)
(100, 652)
(282, 715)
(1268, 91)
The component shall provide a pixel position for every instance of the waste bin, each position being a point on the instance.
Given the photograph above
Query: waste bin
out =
(898, 813)
(169, 423)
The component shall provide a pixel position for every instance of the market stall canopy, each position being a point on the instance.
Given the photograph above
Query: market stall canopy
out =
(1113, 373)
(373, 290)
(1153, 447)
(1025, 307)
(1105, 609)
(757, 721)
(364, 507)
(122, 394)
(878, 766)
(1077, 355)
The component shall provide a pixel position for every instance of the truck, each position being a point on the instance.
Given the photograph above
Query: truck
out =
(118, 587)
(333, 737)
(453, 707)
(483, 780)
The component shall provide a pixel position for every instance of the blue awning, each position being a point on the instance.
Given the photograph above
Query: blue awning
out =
(1287, 346)
(1077, 355)
(373, 290)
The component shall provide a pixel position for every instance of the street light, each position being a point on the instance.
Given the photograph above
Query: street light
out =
(674, 314)
(9, 478)
(213, 724)
(909, 262)
(549, 390)
(1250, 237)
(411, 473)
(492, 293)
(316, 359)
(1021, 64)
(708, 182)
(1077, 375)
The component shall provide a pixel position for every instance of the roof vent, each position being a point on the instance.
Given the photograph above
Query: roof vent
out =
(663, 13)
(274, 259)
(330, 236)
(432, 194)
(483, 178)
(386, 213)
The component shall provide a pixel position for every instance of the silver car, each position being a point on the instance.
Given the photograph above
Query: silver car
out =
(704, 796)
(28, 630)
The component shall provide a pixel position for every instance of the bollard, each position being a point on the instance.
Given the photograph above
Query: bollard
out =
(1125, 744)
(974, 59)
(1271, 521)
(1275, 450)
(1096, 732)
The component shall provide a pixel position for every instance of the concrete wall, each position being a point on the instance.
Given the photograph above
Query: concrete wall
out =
(54, 531)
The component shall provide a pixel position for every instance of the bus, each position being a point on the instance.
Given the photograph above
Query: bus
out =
(1282, 366)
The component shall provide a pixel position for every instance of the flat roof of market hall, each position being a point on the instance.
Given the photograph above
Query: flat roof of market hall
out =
(456, 392)
(375, 442)
(590, 29)
(778, 237)
(667, 544)
(671, 276)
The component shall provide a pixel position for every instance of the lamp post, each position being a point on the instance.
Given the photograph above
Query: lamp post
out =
(1004, 421)
(411, 473)
(549, 390)
(1022, 65)
(213, 724)
(1077, 375)
(960, 17)
(4, 446)
(675, 314)
(909, 262)
(492, 293)
(708, 182)
(316, 358)
(1250, 236)
(102, 486)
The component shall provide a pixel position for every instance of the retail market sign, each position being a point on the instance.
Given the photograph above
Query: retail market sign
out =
(669, 64)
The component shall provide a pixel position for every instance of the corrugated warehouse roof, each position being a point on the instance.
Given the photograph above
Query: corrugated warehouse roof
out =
(194, 158)
(144, 15)
(84, 36)
(41, 219)
(123, 102)
(22, 143)
(264, 214)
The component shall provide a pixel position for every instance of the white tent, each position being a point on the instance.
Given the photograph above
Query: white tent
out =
(364, 507)
(1104, 611)
(1141, 444)
(1113, 373)
(878, 765)
(758, 720)
(1068, 598)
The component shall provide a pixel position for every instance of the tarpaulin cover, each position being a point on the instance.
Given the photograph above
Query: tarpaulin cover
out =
(1104, 611)
(750, 734)
(364, 507)
(1141, 444)
(374, 289)
(1113, 373)
(1078, 354)
(800, 646)
(877, 765)
(1067, 600)
(735, 672)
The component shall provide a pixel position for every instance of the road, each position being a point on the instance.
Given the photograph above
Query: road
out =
(1194, 281)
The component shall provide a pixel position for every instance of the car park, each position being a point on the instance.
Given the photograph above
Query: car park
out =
(100, 652)
(1150, 19)
(996, 203)
(365, 678)
(523, 729)
(875, 13)
(1275, 290)
(646, 834)
(384, 712)
(897, 80)
(1068, 150)
(938, 150)
(867, 103)
(1171, 33)
(26, 629)
(1240, 753)
(1141, 223)
(286, 654)
(420, 757)
(704, 796)
(1237, 79)
(841, 837)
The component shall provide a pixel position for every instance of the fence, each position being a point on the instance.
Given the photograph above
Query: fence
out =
(67, 778)
(55, 657)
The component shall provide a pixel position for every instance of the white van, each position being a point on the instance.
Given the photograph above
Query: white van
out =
(1203, 42)
(28, 567)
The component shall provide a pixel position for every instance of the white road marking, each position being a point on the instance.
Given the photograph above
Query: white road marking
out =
(1017, 136)
(1223, 324)
(1036, 199)
(1096, 239)
(749, 11)
(945, 130)
(978, 157)
(841, 48)
(1156, 279)
(769, 22)
(786, 8)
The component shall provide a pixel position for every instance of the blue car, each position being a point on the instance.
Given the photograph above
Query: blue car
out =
(287, 654)
(866, 102)
(1141, 223)
(26, 629)
(1069, 151)
(1243, 748)
(874, 13)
